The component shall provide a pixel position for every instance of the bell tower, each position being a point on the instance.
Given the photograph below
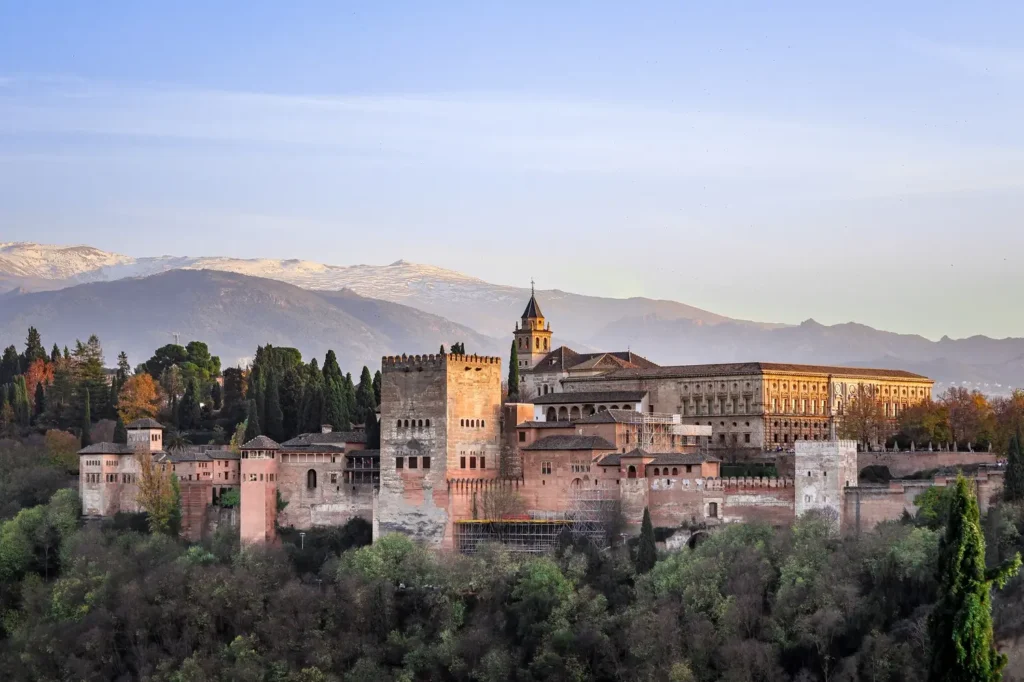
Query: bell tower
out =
(532, 335)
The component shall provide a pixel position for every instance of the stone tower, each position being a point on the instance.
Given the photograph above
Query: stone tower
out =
(440, 426)
(259, 490)
(146, 435)
(823, 470)
(532, 335)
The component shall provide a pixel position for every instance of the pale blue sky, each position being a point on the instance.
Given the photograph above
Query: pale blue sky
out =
(771, 163)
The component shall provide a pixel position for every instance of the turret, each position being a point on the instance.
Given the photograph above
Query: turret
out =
(532, 335)
(145, 434)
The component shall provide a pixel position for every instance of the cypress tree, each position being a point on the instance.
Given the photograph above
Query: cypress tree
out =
(348, 391)
(331, 368)
(366, 406)
(55, 354)
(646, 552)
(442, 350)
(40, 400)
(291, 400)
(1013, 484)
(373, 434)
(33, 348)
(513, 375)
(216, 395)
(252, 426)
(378, 381)
(23, 406)
(313, 400)
(86, 421)
(189, 414)
(960, 626)
(120, 432)
(335, 413)
(274, 425)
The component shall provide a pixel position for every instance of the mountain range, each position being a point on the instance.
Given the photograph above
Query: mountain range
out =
(365, 311)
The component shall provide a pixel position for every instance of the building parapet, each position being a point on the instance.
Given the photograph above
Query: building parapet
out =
(756, 482)
(435, 360)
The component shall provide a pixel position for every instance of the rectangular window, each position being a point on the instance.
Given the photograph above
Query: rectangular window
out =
(522, 436)
(399, 462)
(746, 437)
(462, 462)
(483, 462)
(412, 462)
(426, 462)
(472, 462)
(334, 477)
(545, 468)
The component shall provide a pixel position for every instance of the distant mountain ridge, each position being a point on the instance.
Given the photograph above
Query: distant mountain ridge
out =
(389, 305)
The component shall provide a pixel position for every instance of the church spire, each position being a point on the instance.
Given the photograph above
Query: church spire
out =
(532, 311)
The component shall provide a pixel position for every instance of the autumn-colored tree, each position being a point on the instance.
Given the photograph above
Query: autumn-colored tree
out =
(157, 495)
(139, 398)
(864, 419)
(970, 416)
(1009, 418)
(926, 422)
(39, 372)
(62, 447)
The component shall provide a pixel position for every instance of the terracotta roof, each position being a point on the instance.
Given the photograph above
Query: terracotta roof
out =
(611, 417)
(571, 443)
(532, 309)
(590, 397)
(564, 359)
(107, 449)
(144, 423)
(261, 443)
(545, 425)
(745, 368)
(334, 437)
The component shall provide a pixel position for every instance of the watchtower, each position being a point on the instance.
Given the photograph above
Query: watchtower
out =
(259, 490)
(532, 334)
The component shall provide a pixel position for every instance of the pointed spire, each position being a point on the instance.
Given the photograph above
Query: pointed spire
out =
(532, 308)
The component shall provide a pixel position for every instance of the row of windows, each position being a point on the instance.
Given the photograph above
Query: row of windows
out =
(413, 423)
(472, 462)
(785, 437)
(698, 407)
(413, 462)
(307, 458)
(735, 438)
(806, 425)
(259, 477)
(473, 423)
(524, 343)
(92, 462)
(711, 387)
(800, 407)
(580, 468)
(675, 471)
(110, 478)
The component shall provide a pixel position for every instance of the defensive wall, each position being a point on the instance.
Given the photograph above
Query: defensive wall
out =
(907, 463)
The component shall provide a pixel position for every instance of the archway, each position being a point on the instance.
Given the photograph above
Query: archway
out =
(631, 472)
(563, 414)
(574, 413)
(311, 479)
(551, 414)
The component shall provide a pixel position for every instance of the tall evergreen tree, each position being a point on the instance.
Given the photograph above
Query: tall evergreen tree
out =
(10, 365)
(366, 405)
(86, 421)
(257, 390)
(22, 402)
(33, 348)
(216, 395)
(313, 399)
(189, 413)
(646, 551)
(513, 375)
(90, 376)
(55, 354)
(40, 401)
(378, 381)
(120, 432)
(335, 413)
(1013, 483)
(252, 426)
(960, 625)
(331, 368)
(292, 385)
(373, 434)
(442, 351)
(274, 426)
(348, 392)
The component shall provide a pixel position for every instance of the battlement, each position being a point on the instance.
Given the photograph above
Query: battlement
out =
(434, 361)
(746, 482)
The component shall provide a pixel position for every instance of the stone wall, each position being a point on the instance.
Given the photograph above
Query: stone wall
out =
(823, 470)
(330, 503)
(763, 500)
(906, 463)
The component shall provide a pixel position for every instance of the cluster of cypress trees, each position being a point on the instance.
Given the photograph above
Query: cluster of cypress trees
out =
(287, 397)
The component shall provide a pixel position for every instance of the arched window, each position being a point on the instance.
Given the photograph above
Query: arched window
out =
(311, 479)
(545, 344)
(398, 424)
(537, 344)
(563, 414)
(631, 472)
(574, 413)
(675, 471)
(428, 423)
(614, 407)
(421, 423)
(552, 415)
(657, 471)
(406, 423)
(482, 423)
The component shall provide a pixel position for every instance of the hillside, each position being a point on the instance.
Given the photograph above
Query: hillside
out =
(233, 313)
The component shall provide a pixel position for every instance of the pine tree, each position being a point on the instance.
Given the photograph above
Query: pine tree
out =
(378, 381)
(189, 413)
(1013, 483)
(274, 426)
(513, 375)
(252, 426)
(120, 432)
(40, 401)
(646, 552)
(960, 626)
(366, 406)
(33, 348)
(86, 421)
(10, 365)
(55, 354)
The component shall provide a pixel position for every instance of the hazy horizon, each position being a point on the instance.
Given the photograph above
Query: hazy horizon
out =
(842, 164)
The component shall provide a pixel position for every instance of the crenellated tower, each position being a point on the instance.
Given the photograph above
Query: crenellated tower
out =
(532, 334)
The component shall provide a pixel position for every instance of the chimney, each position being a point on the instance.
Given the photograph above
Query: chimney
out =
(326, 428)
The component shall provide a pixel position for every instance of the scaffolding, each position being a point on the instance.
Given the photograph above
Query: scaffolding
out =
(588, 517)
(663, 432)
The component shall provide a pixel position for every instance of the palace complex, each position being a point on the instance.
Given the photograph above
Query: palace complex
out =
(594, 440)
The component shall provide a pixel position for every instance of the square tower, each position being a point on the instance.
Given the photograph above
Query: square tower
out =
(532, 335)
(440, 426)
(823, 470)
(258, 523)
(145, 434)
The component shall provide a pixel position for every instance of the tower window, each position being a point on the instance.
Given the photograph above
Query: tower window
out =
(311, 479)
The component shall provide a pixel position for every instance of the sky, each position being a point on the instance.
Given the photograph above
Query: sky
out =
(765, 161)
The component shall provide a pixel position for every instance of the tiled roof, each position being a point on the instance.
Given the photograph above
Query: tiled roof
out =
(223, 454)
(188, 455)
(681, 458)
(612, 459)
(746, 368)
(590, 397)
(570, 443)
(107, 449)
(532, 309)
(564, 359)
(144, 423)
(334, 437)
(363, 453)
(261, 443)
(611, 417)
(545, 425)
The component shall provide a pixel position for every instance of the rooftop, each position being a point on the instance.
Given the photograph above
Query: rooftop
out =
(663, 458)
(107, 449)
(261, 443)
(747, 368)
(570, 443)
(532, 309)
(545, 425)
(330, 438)
(590, 397)
(612, 417)
(144, 423)
(564, 359)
